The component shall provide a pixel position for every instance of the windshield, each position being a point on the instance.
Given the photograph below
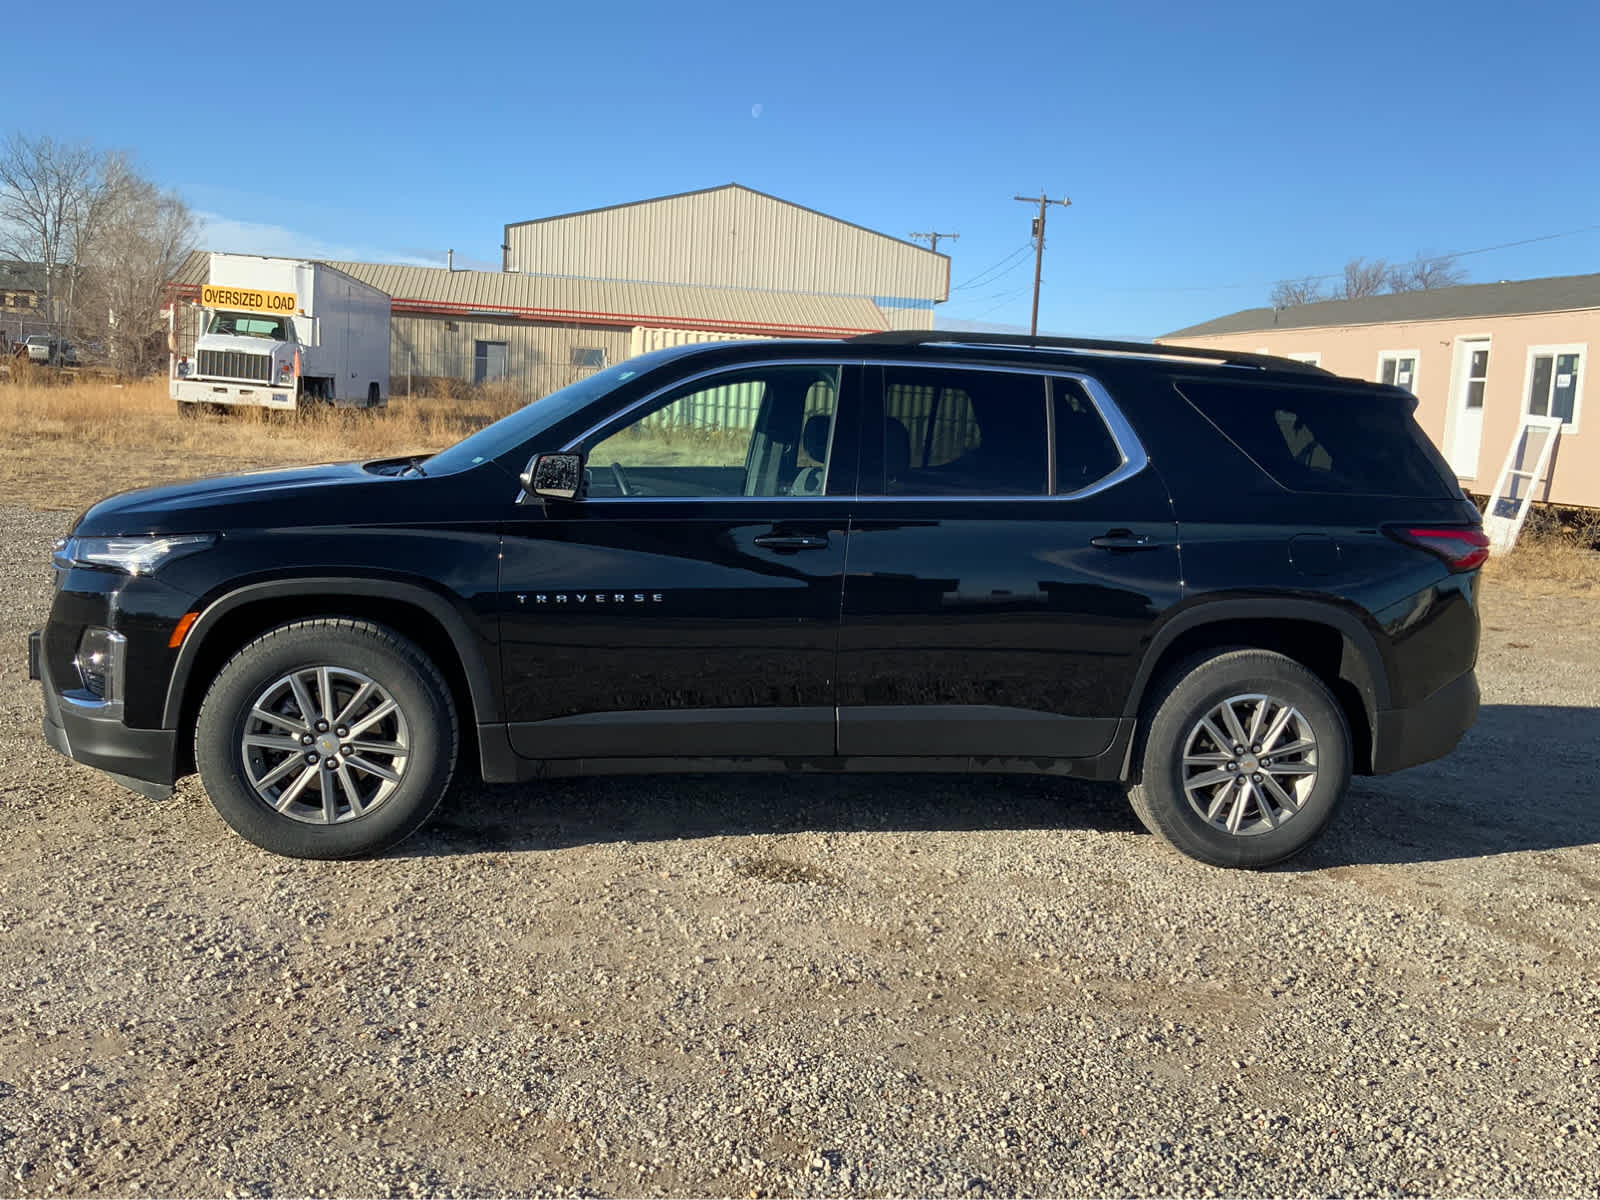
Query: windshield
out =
(249, 325)
(532, 419)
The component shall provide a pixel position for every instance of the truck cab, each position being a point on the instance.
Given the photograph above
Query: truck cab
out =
(245, 349)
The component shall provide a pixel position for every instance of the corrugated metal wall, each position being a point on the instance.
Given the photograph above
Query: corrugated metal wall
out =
(645, 338)
(538, 357)
(729, 237)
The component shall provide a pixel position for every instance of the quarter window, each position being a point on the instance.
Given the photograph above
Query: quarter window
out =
(1085, 450)
(964, 433)
(1313, 439)
(1555, 377)
(760, 431)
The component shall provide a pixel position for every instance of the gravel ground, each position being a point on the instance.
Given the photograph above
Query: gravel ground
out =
(814, 986)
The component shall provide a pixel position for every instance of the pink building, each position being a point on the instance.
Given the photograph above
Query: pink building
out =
(1478, 358)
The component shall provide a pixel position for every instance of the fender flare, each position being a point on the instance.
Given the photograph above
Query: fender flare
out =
(481, 681)
(1361, 661)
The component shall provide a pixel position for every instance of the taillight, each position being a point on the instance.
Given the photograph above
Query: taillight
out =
(1462, 548)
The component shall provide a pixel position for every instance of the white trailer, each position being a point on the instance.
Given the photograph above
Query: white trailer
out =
(284, 333)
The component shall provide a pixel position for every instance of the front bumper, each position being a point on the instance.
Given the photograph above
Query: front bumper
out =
(1406, 737)
(93, 733)
(214, 391)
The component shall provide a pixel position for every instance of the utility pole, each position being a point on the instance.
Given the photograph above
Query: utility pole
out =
(1038, 235)
(933, 239)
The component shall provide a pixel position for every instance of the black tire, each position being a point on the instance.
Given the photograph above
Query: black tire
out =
(1196, 689)
(360, 649)
(188, 409)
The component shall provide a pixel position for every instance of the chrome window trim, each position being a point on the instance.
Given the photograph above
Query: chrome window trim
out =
(1134, 458)
(695, 378)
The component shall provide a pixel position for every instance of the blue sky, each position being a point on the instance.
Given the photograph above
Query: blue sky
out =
(1208, 149)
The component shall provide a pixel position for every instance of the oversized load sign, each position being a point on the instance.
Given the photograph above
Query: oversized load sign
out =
(248, 299)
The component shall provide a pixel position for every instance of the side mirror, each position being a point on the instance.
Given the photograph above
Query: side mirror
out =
(554, 476)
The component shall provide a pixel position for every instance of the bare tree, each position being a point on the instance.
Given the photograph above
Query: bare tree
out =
(1363, 278)
(134, 238)
(1287, 293)
(45, 191)
(1424, 273)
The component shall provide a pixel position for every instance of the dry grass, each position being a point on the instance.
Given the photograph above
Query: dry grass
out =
(1556, 553)
(70, 439)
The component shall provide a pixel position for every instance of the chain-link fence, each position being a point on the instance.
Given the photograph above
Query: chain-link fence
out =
(452, 373)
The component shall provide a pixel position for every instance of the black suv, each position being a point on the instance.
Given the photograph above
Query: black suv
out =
(1225, 580)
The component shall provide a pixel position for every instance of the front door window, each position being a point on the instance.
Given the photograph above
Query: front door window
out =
(758, 431)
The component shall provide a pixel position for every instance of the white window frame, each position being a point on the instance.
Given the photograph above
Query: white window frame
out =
(1581, 349)
(1416, 367)
(1310, 357)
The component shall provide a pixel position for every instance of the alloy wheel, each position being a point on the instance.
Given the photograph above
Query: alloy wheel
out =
(1250, 764)
(324, 744)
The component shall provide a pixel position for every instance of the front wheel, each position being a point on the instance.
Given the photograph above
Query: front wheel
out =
(327, 738)
(1245, 757)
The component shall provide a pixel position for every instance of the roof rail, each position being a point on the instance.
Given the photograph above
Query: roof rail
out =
(956, 337)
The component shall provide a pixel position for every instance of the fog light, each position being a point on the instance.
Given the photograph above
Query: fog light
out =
(97, 661)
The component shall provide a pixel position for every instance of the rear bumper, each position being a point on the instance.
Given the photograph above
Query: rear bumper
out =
(1405, 737)
(144, 760)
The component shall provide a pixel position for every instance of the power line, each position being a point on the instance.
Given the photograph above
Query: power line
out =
(1004, 298)
(1012, 269)
(979, 278)
(996, 295)
(991, 273)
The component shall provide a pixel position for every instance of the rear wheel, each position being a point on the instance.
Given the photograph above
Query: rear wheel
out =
(328, 738)
(1245, 757)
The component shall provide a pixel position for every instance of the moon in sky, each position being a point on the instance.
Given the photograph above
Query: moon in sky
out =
(755, 110)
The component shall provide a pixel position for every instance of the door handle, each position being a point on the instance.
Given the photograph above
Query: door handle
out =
(1124, 539)
(791, 541)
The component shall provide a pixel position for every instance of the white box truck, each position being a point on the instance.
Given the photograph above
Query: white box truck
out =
(283, 333)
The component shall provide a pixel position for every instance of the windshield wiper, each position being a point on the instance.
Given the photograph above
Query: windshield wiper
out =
(415, 464)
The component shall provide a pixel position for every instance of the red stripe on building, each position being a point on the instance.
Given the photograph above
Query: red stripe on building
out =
(567, 316)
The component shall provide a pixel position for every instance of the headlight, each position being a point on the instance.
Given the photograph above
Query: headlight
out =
(134, 555)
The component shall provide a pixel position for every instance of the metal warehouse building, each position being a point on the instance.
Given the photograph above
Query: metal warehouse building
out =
(582, 290)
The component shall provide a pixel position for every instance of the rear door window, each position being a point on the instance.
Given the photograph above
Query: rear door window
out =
(1312, 439)
(964, 433)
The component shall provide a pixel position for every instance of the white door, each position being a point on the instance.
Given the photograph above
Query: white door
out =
(1468, 378)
